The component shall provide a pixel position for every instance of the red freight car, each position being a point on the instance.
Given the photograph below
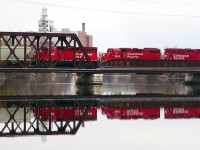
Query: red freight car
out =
(181, 54)
(131, 113)
(183, 112)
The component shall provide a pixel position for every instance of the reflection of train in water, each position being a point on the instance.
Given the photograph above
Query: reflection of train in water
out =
(65, 113)
(131, 113)
(182, 112)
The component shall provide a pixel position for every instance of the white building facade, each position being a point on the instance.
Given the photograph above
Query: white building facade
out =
(45, 25)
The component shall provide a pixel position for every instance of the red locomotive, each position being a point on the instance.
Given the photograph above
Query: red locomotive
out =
(67, 56)
(184, 112)
(131, 113)
(132, 54)
(181, 54)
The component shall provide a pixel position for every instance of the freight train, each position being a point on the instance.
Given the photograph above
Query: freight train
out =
(70, 56)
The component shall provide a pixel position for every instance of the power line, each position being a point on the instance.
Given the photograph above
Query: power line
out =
(163, 3)
(25, 17)
(110, 11)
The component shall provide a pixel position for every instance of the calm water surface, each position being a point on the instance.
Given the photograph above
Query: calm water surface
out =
(64, 84)
(108, 131)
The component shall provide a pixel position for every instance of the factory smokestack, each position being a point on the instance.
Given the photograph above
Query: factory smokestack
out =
(83, 27)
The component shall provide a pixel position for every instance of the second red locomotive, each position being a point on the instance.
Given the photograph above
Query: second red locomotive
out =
(150, 54)
(132, 54)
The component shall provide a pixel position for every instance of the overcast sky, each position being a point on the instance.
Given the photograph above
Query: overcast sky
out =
(113, 23)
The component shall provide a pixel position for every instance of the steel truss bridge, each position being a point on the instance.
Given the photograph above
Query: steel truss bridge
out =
(13, 40)
(32, 115)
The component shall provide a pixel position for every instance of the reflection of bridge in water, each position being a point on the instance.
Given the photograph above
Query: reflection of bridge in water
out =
(54, 115)
(44, 117)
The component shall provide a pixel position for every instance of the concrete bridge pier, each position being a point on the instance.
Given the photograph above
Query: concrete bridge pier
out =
(84, 90)
(192, 79)
(87, 78)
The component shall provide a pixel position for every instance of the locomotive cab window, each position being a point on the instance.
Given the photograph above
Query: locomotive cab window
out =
(109, 50)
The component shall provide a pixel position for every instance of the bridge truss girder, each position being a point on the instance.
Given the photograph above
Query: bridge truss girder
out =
(13, 40)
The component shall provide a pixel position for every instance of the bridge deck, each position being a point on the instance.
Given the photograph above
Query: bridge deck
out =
(106, 70)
